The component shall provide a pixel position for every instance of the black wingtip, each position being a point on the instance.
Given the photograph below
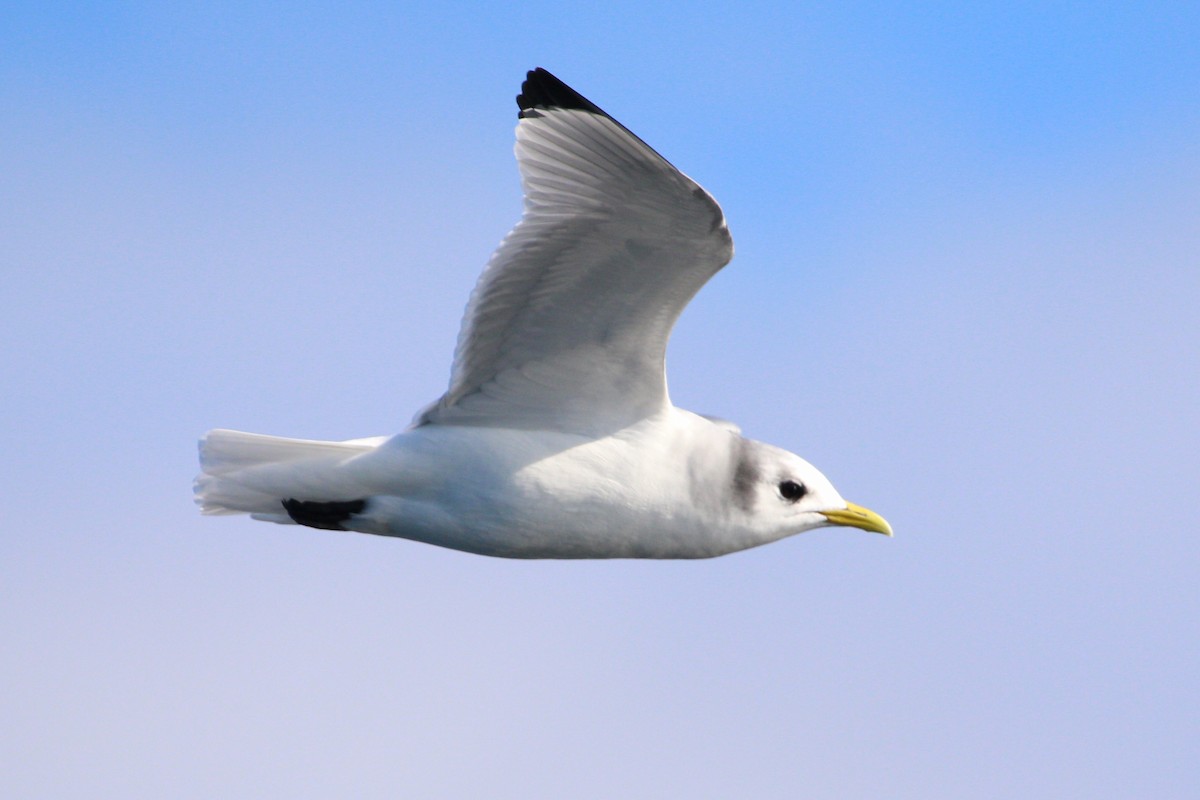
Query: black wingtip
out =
(326, 516)
(543, 90)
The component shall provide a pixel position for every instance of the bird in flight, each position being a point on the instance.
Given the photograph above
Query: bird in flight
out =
(556, 437)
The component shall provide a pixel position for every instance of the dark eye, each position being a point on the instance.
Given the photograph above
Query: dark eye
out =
(792, 491)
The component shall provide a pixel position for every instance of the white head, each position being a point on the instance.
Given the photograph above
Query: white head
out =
(784, 495)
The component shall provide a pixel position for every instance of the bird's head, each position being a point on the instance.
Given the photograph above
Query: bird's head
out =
(786, 495)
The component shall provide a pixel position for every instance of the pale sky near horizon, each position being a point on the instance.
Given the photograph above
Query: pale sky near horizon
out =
(966, 288)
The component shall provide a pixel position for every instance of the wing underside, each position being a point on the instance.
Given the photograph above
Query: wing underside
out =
(568, 325)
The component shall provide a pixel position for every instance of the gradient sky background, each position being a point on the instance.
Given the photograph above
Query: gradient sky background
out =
(967, 285)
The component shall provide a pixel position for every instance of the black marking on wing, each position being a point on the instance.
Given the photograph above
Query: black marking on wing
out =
(542, 90)
(745, 474)
(327, 516)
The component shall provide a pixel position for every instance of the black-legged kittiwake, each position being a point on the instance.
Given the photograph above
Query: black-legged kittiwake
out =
(556, 437)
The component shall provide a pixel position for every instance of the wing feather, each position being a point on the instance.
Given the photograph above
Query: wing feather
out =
(568, 325)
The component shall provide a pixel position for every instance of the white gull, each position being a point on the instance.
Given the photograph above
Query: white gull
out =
(556, 437)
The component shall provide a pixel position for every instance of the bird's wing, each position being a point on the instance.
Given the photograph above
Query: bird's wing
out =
(567, 328)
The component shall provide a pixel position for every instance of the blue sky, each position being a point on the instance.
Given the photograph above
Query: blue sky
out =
(966, 288)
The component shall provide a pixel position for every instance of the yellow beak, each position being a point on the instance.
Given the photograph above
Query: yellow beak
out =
(858, 517)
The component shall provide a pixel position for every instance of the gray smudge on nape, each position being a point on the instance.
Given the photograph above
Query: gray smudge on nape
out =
(745, 473)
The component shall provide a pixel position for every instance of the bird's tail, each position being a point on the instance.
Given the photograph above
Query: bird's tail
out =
(251, 473)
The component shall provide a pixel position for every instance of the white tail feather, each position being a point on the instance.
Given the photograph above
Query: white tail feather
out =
(251, 473)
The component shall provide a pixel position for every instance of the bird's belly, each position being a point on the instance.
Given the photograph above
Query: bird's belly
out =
(504, 493)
